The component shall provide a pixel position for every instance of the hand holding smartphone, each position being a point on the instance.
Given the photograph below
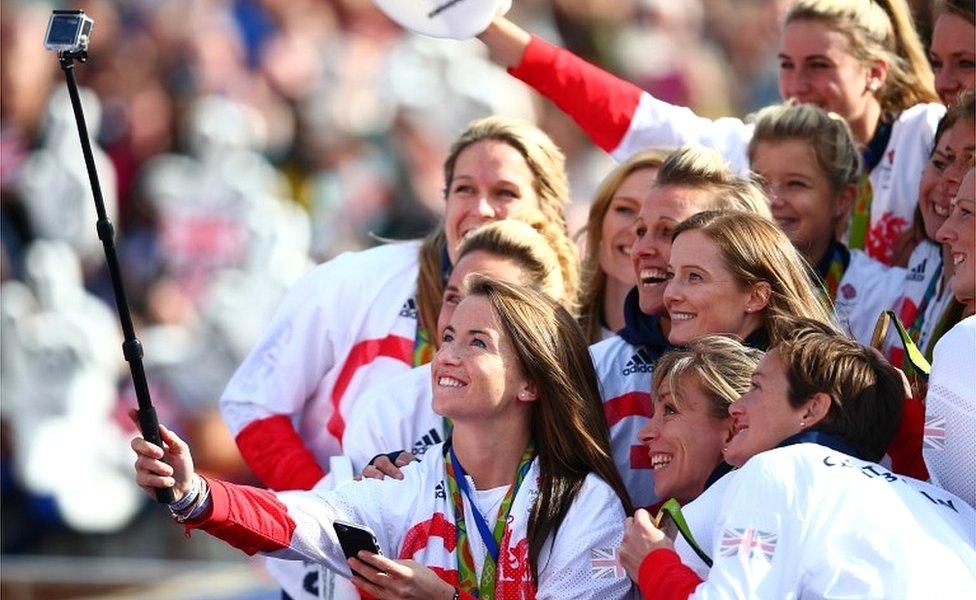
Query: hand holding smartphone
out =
(353, 538)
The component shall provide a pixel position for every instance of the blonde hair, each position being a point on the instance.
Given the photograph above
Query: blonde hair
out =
(754, 249)
(594, 279)
(567, 422)
(704, 168)
(827, 134)
(879, 30)
(721, 365)
(529, 245)
(548, 166)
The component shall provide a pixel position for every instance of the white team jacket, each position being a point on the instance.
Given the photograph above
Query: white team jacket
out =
(949, 444)
(414, 518)
(805, 521)
(394, 415)
(348, 323)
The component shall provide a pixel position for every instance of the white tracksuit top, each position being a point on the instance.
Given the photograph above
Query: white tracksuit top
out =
(806, 521)
(413, 518)
(347, 324)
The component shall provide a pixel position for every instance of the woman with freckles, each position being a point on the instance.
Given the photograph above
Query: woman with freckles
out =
(518, 504)
(807, 512)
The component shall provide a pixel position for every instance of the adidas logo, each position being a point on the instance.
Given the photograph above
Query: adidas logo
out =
(425, 442)
(917, 273)
(638, 363)
(409, 309)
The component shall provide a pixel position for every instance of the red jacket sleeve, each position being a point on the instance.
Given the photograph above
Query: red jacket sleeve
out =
(601, 104)
(905, 448)
(247, 518)
(273, 450)
(662, 576)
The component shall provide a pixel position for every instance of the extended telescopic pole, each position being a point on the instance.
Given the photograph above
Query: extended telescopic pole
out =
(131, 348)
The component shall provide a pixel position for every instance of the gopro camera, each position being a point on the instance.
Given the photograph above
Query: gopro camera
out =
(68, 31)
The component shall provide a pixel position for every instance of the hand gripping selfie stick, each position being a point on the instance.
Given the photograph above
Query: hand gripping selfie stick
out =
(68, 33)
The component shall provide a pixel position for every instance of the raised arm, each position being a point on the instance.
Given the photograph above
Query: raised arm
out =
(618, 116)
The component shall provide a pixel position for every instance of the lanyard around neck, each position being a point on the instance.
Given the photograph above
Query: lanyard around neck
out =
(457, 484)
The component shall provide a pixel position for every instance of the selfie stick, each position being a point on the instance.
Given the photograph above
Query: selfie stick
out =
(131, 348)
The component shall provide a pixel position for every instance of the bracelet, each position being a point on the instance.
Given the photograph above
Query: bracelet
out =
(188, 499)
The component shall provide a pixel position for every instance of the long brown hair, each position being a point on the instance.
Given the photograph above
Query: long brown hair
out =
(567, 423)
(594, 279)
(548, 166)
(754, 249)
(879, 30)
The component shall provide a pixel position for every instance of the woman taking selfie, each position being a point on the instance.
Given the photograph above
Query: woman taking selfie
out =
(528, 454)
(808, 512)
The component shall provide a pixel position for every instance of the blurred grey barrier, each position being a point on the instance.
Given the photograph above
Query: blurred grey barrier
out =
(63, 577)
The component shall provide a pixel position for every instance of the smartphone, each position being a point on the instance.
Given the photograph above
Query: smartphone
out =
(353, 538)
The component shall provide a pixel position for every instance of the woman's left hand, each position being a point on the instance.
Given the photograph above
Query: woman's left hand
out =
(383, 578)
(641, 537)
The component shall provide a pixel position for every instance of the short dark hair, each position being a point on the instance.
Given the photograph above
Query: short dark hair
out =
(866, 393)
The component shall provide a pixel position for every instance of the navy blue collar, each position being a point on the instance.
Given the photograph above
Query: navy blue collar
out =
(642, 330)
(874, 151)
(720, 471)
(815, 436)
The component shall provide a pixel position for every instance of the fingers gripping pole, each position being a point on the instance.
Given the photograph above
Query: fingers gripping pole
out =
(131, 348)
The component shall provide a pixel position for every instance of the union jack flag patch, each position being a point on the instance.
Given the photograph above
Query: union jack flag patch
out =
(604, 564)
(747, 541)
(935, 433)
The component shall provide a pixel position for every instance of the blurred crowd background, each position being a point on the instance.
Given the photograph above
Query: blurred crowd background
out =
(239, 142)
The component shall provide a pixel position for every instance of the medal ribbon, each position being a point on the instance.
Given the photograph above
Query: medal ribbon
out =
(458, 485)
(833, 275)
(915, 329)
(423, 350)
(871, 158)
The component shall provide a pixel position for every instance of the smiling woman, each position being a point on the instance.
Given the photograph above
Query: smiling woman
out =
(607, 271)
(808, 513)
(736, 273)
(692, 391)
(529, 454)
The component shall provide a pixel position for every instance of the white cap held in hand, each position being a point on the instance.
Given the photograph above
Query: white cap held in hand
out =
(454, 19)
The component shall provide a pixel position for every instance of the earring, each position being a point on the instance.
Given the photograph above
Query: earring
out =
(802, 425)
(874, 85)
